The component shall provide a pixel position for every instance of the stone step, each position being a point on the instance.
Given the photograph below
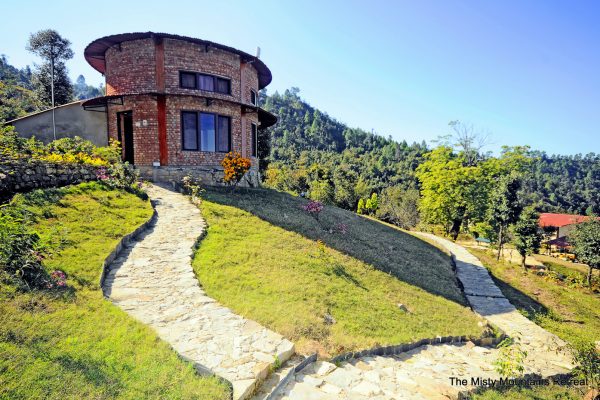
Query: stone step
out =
(279, 378)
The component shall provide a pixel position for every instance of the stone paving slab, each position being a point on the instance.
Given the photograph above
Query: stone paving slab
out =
(152, 280)
(425, 372)
(545, 350)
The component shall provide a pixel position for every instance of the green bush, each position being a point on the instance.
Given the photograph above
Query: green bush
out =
(20, 252)
(65, 150)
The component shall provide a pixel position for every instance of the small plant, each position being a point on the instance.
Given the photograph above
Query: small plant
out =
(122, 176)
(341, 228)
(276, 365)
(192, 187)
(58, 280)
(587, 358)
(21, 253)
(510, 361)
(235, 167)
(321, 249)
(313, 208)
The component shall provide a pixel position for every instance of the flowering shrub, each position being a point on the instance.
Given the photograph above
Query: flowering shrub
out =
(77, 158)
(341, 228)
(313, 208)
(122, 176)
(235, 167)
(66, 150)
(58, 280)
(192, 187)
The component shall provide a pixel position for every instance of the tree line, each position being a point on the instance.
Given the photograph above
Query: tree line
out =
(455, 186)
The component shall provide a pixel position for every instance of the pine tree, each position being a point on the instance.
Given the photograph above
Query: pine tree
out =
(42, 81)
(54, 51)
(361, 207)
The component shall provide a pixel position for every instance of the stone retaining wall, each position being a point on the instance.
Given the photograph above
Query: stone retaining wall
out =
(208, 175)
(402, 348)
(25, 175)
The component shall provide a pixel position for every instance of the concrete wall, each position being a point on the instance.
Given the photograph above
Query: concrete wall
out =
(71, 120)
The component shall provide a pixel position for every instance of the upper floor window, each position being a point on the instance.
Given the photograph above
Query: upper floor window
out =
(253, 97)
(210, 83)
(205, 131)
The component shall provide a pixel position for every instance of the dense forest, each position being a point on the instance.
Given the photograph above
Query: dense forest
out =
(313, 154)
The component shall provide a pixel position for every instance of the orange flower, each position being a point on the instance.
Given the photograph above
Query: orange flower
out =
(235, 167)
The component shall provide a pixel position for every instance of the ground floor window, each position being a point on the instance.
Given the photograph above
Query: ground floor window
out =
(254, 140)
(205, 131)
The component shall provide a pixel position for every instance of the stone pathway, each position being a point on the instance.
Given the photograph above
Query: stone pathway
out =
(425, 372)
(543, 347)
(152, 280)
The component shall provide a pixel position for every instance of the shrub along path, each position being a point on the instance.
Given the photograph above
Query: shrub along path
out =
(153, 281)
(424, 373)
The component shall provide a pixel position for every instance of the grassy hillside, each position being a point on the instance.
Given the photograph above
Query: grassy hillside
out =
(76, 344)
(569, 312)
(262, 258)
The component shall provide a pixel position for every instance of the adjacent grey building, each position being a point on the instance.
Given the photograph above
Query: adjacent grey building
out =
(71, 120)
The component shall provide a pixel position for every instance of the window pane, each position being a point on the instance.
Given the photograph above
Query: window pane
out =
(188, 80)
(254, 141)
(223, 134)
(223, 85)
(190, 131)
(207, 132)
(253, 97)
(206, 82)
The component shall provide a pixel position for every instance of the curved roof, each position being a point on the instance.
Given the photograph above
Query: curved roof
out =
(95, 51)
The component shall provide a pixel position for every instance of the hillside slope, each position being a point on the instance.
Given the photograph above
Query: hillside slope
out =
(329, 284)
(73, 343)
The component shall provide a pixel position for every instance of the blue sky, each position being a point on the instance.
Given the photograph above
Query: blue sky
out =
(527, 72)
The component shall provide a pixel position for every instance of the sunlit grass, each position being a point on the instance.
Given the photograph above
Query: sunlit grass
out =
(80, 346)
(570, 313)
(289, 282)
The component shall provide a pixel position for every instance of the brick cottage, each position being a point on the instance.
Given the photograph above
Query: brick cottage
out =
(179, 104)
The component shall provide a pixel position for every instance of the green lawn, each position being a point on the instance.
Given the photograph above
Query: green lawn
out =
(570, 313)
(273, 270)
(79, 345)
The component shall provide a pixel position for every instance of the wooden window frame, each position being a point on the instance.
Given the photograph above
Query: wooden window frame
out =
(199, 130)
(197, 87)
(181, 73)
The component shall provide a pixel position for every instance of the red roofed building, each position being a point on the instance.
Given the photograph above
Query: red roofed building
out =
(562, 224)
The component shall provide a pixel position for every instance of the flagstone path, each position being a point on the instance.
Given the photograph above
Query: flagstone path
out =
(426, 372)
(152, 280)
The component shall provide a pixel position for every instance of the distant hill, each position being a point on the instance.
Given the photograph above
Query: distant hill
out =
(312, 151)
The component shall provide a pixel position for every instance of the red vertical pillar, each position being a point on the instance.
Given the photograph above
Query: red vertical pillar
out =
(161, 101)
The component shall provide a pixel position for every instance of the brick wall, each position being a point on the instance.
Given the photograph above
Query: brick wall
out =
(250, 81)
(177, 156)
(145, 135)
(131, 67)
